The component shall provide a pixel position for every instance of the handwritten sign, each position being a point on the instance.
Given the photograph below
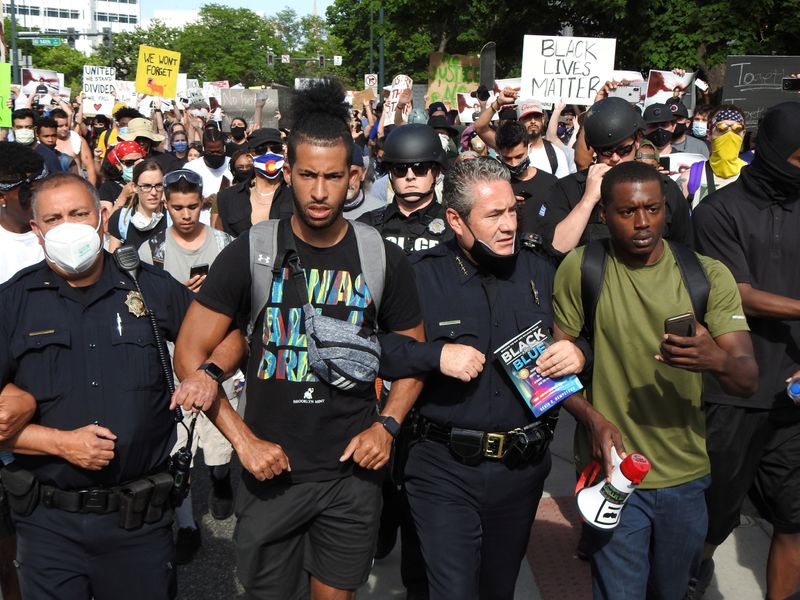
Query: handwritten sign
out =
(399, 84)
(157, 71)
(98, 90)
(753, 83)
(572, 68)
(450, 75)
(126, 92)
(5, 91)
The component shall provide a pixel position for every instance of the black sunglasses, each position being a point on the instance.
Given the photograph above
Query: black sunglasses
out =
(420, 169)
(174, 177)
(619, 151)
(264, 148)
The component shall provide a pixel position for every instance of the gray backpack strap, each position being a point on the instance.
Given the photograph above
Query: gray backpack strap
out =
(263, 247)
(372, 254)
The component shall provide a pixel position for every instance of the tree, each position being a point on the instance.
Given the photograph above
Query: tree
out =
(126, 47)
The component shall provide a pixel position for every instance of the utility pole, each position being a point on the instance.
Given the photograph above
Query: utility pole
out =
(380, 51)
(14, 57)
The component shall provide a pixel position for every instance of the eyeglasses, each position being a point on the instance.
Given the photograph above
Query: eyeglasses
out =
(147, 187)
(130, 162)
(420, 169)
(174, 177)
(7, 186)
(619, 151)
(735, 128)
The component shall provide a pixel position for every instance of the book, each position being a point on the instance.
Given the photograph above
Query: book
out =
(518, 357)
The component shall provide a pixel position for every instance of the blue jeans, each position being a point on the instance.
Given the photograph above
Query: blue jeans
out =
(651, 551)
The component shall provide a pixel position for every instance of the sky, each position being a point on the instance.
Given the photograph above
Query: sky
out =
(301, 7)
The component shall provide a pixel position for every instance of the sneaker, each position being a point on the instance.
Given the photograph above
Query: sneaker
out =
(701, 580)
(221, 499)
(187, 544)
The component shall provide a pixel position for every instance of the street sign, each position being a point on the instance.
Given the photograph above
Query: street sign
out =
(46, 41)
(337, 60)
(370, 80)
(285, 59)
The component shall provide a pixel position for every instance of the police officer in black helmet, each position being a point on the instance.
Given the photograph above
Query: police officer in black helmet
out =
(571, 215)
(414, 157)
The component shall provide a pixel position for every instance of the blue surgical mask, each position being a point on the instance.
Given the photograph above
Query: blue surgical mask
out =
(123, 130)
(700, 128)
(127, 173)
(180, 146)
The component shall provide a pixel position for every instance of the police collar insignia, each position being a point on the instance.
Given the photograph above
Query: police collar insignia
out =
(135, 304)
(436, 227)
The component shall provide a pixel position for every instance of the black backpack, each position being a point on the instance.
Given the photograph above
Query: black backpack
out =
(593, 269)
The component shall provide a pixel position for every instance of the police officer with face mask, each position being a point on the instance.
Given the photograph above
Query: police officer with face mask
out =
(476, 470)
(90, 487)
(414, 157)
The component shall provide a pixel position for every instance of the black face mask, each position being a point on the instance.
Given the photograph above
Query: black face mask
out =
(237, 133)
(680, 129)
(214, 161)
(499, 265)
(660, 137)
(519, 169)
(240, 175)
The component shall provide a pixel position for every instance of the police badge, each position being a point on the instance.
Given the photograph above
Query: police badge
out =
(135, 304)
(436, 227)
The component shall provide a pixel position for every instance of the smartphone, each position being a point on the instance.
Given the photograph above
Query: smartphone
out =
(664, 162)
(198, 270)
(631, 93)
(791, 84)
(682, 325)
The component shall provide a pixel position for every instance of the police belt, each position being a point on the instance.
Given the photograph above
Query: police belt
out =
(470, 446)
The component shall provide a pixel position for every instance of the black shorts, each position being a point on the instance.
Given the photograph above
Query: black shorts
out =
(755, 452)
(286, 532)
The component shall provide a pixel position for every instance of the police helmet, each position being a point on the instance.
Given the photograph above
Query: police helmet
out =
(413, 143)
(610, 122)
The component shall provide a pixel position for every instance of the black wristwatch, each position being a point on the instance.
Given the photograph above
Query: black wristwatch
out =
(390, 424)
(213, 371)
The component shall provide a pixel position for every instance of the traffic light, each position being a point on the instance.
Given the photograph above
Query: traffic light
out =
(270, 59)
(106, 37)
(321, 59)
(71, 36)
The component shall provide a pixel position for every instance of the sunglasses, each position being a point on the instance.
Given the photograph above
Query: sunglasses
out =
(619, 151)
(130, 162)
(420, 169)
(174, 177)
(147, 187)
(274, 148)
(735, 128)
(7, 186)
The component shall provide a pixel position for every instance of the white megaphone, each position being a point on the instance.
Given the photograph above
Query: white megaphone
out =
(600, 505)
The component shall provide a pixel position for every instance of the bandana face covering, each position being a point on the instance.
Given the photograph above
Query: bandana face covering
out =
(268, 165)
(725, 161)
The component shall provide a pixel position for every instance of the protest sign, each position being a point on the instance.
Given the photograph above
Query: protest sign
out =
(98, 90)
(450, 75)
(39, 82)
(241, 104)
(157, 71)
(469, 106)
(126, 92)
(753, 83)
(5, 92)
(666, 85)
(399, 84)
(572, 69)
(362, 97)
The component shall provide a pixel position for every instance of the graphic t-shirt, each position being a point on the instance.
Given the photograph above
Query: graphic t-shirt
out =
(286, 403)
(657, 407)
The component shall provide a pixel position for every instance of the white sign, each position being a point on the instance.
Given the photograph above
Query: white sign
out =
(666, 85)
(337, 60)
(286, 59)
(370, 80)
(126, 92)
(98, 90)
(570, 68)
(399, 83)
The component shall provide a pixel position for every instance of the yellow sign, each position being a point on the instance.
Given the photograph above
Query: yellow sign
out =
(157, 72)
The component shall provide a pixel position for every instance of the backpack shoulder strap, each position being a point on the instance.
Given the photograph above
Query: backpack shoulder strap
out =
(694, 278)
(593, 271)
(263, 247)
(372, 255)
(710, 182)
(695, 177)
(551, 156)
(158, 247)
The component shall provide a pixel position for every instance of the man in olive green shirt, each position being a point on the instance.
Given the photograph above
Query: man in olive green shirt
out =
(649, 385)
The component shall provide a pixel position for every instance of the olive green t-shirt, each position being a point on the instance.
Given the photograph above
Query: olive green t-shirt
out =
(656, 407)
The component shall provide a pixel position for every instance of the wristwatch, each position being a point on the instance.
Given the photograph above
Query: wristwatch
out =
(213, 371)
(390, 424)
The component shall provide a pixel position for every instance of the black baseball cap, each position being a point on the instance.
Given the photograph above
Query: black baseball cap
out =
(265, 135)
(657, 113)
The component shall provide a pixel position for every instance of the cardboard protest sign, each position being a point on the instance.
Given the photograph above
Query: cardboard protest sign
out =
(98, 90)
(157, 71)
(569, 68)
(399, 84)
(362, 97)
(5, 92)
(753, 83)
(450, 75)
(241, 104)
(666, 85)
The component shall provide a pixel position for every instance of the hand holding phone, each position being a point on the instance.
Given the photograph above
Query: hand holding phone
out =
(681, 325)
(198, 270)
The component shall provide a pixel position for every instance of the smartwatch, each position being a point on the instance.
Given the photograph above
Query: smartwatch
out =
(213, 371)
(390, 424)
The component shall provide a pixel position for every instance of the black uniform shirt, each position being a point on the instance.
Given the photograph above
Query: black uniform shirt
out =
(757, 239)
(86, 357)
(456, 307)
(233, 205)
(422, 229)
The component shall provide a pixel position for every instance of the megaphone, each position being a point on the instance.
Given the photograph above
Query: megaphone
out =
(601, 504)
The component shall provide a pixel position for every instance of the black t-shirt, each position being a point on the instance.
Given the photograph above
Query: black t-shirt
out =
(286, 403)
(231, 147)
(133, 237)
(110, 190)
(233, 206)
(536, 189)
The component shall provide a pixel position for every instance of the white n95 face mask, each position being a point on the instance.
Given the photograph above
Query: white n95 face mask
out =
(72, 247)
